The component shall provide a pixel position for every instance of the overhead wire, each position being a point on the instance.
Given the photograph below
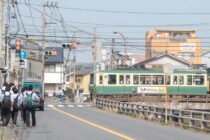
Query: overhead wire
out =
(24, 29)
(130, 12)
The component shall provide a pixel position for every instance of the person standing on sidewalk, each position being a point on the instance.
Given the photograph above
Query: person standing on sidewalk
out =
(30, 100)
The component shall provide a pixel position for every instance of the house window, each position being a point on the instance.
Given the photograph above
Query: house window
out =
(111, 79)
(49, 68)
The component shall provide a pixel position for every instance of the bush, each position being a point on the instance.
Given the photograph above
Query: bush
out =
(68, 91)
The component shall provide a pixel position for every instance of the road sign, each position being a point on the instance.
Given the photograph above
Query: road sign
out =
(22, 54)
(22, 63)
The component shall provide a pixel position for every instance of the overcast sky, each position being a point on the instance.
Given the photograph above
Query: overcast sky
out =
(130, 17)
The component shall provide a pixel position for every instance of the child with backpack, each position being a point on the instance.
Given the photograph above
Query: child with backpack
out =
(6, 106)
(2, 92)
(30, 100)
(15, 105)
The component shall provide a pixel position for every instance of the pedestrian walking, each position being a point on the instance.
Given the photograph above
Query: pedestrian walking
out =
(30, 99)
(22, 104)
(2, 92)
(6, 106)
(15, 105)
(61, 94)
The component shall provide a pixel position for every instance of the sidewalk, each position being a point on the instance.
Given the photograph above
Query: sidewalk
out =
(8, 133)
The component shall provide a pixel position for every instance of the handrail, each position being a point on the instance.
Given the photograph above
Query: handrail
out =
(190, 118)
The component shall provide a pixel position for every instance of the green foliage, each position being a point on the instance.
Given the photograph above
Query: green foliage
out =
(68, 91)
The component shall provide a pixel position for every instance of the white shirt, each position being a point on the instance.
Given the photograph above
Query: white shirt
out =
(13, 96)
(34, 96)
(61, 92)
(7, 93)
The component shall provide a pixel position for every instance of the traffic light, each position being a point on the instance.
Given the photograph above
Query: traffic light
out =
(66, 45)
(51, 53)
(69, 45)
(17, 45)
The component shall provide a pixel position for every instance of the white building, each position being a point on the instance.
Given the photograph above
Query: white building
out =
(54, 70)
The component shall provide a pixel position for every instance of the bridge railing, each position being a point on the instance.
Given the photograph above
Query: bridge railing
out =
(185, 118)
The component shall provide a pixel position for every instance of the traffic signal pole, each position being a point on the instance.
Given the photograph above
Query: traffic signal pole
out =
(7, 40)
(1, 27)
(43, 45)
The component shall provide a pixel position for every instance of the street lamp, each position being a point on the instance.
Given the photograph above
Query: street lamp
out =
(125, 43)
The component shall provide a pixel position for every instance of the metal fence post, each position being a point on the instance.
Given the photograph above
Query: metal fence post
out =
(191, 121)
(203, 123)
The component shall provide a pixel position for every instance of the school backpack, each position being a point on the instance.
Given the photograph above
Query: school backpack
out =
(15, 103)
(6, 102)
(29, 103)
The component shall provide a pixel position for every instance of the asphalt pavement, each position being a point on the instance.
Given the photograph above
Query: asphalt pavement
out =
(83, 122)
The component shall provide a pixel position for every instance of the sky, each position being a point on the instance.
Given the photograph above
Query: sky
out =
(132, 18)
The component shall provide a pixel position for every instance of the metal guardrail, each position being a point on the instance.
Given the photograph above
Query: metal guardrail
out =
(188, 118)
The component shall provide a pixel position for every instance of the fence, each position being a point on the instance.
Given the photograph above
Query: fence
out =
(187, 118)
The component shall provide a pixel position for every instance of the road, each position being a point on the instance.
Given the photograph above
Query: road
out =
(83, 122)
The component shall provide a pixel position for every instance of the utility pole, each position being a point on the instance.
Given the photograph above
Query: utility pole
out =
(7, 40)
(1, 27)
(112, 55)
(94, 66)
(43, 45)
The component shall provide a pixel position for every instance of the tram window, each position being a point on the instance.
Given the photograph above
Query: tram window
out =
(101, 79)
(128, 79)
(136, 79)
(121, 79)
(189, 79)
(158, 80)
(175, 80)
(198, 80)
(181, 80)
(111, 79)
(168, 80)
(145, 79)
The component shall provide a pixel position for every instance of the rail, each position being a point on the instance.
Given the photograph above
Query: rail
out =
(185, 118)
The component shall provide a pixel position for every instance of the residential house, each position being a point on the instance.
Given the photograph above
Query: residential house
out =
(53, 69)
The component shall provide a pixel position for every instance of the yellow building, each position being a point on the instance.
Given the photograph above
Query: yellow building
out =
(82, 78)
(182, 43)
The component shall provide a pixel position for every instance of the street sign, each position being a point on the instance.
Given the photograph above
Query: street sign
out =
(22, 63)
(22, 54)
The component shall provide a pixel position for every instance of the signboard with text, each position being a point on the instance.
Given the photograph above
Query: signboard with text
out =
(151, 90)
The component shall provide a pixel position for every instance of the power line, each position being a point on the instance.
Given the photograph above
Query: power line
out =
(20, 18)
(130, 12)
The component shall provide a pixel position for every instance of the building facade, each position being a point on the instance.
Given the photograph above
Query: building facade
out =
(182, 43)
(53, 70)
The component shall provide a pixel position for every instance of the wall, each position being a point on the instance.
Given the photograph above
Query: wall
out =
(161, 41)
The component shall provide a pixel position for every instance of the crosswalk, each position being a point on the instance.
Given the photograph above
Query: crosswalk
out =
(69, 105)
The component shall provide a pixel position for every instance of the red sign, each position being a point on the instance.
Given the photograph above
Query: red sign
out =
(17, 42)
